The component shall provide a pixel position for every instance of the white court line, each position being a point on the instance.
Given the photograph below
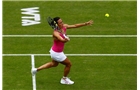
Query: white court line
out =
(70, 36)
(71, 54)
(71, 0)
(33, 76)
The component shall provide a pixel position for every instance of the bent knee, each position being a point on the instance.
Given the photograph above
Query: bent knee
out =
(69, 65)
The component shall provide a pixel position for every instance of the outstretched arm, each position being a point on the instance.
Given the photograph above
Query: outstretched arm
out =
(78, 25)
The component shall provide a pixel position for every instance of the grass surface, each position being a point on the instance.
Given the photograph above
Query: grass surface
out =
(92, 73)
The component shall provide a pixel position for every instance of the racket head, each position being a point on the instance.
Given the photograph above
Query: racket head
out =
(52, 23)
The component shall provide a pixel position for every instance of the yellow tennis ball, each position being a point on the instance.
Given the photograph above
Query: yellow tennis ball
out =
(106, 15)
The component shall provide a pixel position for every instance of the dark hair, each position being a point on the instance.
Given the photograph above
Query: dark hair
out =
(56, 19)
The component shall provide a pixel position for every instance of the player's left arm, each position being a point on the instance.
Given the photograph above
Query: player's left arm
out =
(78, 25)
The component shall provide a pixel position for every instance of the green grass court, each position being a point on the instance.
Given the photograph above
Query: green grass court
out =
(88, 72)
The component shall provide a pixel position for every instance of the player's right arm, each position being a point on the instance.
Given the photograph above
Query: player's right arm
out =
(57, 36)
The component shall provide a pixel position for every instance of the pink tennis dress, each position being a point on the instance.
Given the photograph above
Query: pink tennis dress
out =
(56, 51)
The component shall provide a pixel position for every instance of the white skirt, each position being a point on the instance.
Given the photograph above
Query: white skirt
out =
(57, 56)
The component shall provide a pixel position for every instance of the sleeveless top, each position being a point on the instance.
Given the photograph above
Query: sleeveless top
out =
(58, 46)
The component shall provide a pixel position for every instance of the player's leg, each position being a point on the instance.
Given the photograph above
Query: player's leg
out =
(67, 64)
(48, 65)
(45, 66)
(65, 79)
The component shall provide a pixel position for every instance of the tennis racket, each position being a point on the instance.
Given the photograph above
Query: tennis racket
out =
(52, 23)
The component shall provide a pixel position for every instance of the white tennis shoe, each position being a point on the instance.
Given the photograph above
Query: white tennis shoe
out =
(34, 71)
(67, 81)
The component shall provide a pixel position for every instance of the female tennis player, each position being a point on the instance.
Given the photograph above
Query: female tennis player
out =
(56, 51)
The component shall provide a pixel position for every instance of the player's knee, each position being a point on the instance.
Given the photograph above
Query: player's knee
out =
(69, 65)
